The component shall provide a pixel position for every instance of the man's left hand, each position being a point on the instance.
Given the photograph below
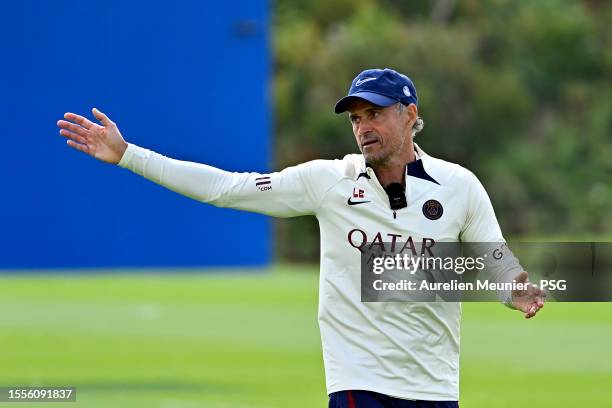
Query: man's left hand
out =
(529, 300)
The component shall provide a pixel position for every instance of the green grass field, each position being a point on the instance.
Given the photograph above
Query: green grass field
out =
(235, 339)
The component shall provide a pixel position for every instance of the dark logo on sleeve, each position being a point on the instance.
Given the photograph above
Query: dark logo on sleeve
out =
(432, 209)
(263, 183)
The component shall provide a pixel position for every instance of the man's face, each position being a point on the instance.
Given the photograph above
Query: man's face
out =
(380, 132)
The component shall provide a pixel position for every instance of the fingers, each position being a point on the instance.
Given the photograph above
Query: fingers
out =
(80, 130)
(84, 122)
(102, 117)
(533, 309)
(78, 146)
(73, 136)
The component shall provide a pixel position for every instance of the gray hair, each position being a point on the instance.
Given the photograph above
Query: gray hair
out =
(418, 124)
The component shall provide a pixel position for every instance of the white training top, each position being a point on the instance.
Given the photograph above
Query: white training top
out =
(406, 350)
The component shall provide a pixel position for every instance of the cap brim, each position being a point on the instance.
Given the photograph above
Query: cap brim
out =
(377, 99)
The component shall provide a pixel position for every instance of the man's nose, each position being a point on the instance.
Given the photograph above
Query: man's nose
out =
(364, 128)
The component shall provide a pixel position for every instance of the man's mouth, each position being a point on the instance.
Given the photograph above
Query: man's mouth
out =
(367, 143)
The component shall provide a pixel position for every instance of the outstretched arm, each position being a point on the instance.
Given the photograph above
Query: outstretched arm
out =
(482, 227)
(294, 191)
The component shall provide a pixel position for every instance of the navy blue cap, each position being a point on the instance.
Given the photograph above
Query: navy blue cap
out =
(382, 87)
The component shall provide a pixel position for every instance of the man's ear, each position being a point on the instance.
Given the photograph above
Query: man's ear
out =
(413, 112)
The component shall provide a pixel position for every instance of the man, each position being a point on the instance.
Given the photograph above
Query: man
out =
(376, 354)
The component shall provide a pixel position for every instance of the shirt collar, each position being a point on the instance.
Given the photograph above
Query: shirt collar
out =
(417, 168)
(413, 169)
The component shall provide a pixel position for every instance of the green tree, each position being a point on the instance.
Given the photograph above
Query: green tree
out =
(519, 92)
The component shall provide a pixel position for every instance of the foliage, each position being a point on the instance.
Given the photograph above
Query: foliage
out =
(518, 92)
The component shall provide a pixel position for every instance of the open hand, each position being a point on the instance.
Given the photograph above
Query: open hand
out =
(102, 142)
(530, 300)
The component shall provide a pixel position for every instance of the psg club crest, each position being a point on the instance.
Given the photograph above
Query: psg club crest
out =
(432, 209)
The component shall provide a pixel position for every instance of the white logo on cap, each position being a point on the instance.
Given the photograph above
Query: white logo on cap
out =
(406, 91)
(363, 81)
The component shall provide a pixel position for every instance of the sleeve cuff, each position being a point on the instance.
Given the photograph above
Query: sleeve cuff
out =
(508, 301)
(127, 155)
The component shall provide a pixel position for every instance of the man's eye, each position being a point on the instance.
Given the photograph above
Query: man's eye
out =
(354, 119)
(375, 114)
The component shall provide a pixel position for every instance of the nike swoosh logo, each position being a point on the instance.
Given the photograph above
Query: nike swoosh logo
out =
(349, 202)
(363, 81)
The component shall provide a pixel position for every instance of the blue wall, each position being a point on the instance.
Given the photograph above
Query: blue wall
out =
(188, 79)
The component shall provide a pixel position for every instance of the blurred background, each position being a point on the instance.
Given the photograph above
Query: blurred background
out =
(518, 92)
(140, 297)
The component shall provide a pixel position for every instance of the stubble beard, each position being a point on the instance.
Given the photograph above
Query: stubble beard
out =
(377, 159)
(382, 158)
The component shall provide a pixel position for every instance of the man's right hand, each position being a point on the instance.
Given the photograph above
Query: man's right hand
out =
(102, 142)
